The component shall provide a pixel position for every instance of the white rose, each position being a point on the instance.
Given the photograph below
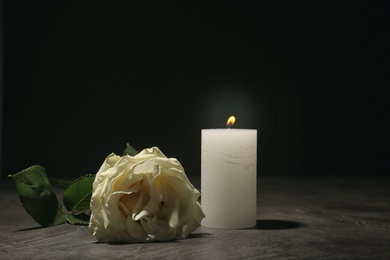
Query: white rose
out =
(143, 198)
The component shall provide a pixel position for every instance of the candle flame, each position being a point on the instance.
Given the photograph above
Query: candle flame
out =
(230, 121)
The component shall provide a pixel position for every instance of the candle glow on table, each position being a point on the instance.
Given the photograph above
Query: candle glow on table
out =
(228, 177)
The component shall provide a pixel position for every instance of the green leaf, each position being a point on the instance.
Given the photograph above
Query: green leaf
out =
(77, 196)
(37, 196)
(80, 219)
(129, 150)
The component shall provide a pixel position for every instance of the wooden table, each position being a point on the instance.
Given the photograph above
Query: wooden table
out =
(299, 217)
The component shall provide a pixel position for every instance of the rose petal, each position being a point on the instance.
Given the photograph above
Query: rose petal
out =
(153, 208)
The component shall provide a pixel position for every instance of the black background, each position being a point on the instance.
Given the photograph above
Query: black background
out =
(83, 78)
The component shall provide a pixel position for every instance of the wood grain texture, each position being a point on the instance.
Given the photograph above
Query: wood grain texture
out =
(298, 218)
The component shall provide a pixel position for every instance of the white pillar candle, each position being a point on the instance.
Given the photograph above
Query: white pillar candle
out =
(228, 177)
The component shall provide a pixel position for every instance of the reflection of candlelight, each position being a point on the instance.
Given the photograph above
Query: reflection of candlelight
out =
(230, 122)
(228, 177)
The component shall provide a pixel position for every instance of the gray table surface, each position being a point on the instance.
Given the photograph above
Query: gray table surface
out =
(323, 217)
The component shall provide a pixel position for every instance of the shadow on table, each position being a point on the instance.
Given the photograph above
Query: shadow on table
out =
(31, 228)
(192, 235)
(198, 235)
(274, 224)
